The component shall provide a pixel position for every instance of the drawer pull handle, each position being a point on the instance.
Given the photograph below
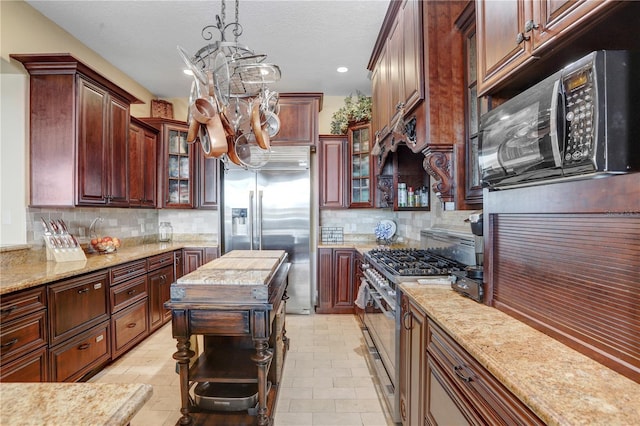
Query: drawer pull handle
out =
(458, 370)
(9, 343)
(132, 291)
(84, 290)
(7, 311)
(83, 346)
(131, 325)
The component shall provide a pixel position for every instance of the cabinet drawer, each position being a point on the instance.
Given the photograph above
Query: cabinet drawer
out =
(78, 356)
(129, 327)
(226, 323)
(491, 399)
(23, 335)
(160, 260)
(15, 305)
(127, 271)
(29, 368)
(127, 293)
(77, 304)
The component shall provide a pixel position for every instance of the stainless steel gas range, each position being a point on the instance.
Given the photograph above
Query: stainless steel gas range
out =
(442, 254)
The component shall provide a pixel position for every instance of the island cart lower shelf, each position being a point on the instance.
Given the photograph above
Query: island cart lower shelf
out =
(243, 332)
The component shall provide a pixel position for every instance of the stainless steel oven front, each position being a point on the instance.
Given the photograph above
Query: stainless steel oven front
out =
(382, 334)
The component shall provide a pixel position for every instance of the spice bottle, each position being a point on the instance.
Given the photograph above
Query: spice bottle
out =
(411, 197)
(402, 195)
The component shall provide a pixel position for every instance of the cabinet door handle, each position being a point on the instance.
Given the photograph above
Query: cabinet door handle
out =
(7, 311)
(404, 321)
(530, 25)
(83, 346)
(132, 291)
(131, 325)
(84, 290)
(459, 372)
(521, 37)
(9, 343)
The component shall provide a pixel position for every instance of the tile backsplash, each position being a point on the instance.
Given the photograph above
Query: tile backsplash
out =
(139, 225)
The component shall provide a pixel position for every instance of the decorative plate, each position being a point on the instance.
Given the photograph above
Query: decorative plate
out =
(385, 229)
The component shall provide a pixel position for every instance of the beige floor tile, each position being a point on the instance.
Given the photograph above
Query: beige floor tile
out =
(325, 380)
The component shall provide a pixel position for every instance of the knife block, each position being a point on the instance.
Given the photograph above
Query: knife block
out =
(67, 254)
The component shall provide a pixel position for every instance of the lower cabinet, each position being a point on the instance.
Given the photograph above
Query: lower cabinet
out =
(413, 329)
(77, 356)
(129, 314)
(24, 336)
(336, 281)
(195, 257)
(79, 339)
(442, 384)
(159, 292)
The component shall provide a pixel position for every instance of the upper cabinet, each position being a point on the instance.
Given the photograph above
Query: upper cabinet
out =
(361, 175)
(397, 66)
(143, 164)
(298, 114)
(79, 127)
(518, 38)
(417, 102)
(332, 165)
(176, 159)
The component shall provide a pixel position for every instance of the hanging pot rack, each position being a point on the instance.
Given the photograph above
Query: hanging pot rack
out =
(235, 79)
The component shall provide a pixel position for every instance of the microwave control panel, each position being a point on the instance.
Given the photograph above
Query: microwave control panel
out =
(580, 116)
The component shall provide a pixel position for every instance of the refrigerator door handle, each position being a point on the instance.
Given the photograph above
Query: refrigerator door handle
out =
(260, 193)
(250, 220)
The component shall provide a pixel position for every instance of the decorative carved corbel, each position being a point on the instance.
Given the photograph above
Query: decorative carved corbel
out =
(438, 162)
(385, 185)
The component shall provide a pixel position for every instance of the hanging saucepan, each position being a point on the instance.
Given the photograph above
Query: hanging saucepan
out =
(205, 112)
(271, 123)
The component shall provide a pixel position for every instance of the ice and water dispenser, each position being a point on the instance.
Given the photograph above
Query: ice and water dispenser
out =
(239, 221)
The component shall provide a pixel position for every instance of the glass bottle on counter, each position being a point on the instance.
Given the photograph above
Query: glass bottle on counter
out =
(411, 197)
(165, 232)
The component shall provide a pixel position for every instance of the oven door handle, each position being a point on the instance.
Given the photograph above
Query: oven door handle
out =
(376, 297)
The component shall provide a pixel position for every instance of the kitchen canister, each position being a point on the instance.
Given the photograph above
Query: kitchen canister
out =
(402, 195)
(165, 232)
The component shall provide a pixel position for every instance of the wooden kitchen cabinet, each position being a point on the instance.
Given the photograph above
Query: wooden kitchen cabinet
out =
(459, 390)
(332, 164)
(143, 164)
(360, 166)
(178, 269)
(397, 66)
(129, 306)
(298, 119)
(79, 338)
(159, 279)
(336, 286)
(24, 336)
(208, 182)
(513, 35)
(413, 332)
(79, 123)
(195, 257)
(176, 162)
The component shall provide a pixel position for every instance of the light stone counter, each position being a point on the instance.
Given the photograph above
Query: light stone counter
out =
(29, 268)
(56, 404)
(559, 384)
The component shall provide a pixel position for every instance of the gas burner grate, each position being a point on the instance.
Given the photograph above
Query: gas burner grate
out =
(413, 262)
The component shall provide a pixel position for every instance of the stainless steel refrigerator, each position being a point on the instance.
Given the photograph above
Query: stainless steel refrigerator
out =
(270, 209)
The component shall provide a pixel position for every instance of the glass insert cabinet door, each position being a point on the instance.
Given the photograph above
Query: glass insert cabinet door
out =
(360, 176)
(179, 173)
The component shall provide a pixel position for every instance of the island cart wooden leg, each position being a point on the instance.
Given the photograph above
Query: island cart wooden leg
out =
(262, 358)
(183, 356)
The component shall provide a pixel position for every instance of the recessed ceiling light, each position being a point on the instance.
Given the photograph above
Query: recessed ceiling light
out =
(187, 72)
(342, 69)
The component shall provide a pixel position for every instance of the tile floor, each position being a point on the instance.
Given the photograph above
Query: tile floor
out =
(325, 380)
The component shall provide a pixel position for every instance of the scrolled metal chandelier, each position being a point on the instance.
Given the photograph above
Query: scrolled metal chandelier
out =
(232, 112)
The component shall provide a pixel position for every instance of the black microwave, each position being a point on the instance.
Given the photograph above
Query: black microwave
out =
(583, 120)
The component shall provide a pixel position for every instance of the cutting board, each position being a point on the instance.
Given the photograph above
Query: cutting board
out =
(243, 264)
(250, 254)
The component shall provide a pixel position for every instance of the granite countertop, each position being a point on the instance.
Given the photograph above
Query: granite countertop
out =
(71, 403)
(29, 268)
(238, 267)
(559, 384)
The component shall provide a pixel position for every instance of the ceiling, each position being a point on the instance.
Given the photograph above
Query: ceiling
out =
(307, 39)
